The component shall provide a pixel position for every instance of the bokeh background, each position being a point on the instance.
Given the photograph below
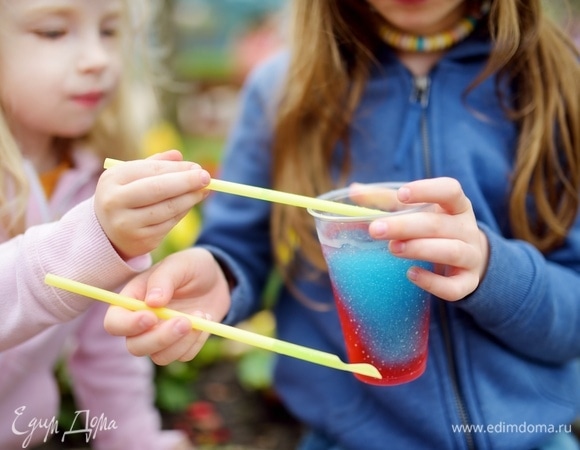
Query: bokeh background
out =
(223, 398)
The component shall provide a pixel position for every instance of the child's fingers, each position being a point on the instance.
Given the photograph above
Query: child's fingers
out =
(122, 322)
(449, 252)
(129, 171)
(159, 187)
(424, 224)
(449, 287)
(195, 348)
(167, 342)
(171, 274)
(167, 208)
(136, 287)
(184, 349)
(371, 196)
(446, 192)
(168, 155)
(153, 220)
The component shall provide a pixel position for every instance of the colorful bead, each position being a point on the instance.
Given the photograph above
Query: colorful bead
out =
(433, 43)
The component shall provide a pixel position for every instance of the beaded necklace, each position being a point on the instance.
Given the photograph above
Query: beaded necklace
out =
(434, 42)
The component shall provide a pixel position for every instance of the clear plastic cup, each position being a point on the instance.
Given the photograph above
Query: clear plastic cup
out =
(384, 317)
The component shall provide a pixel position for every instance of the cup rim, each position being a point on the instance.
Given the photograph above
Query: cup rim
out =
(331, 217)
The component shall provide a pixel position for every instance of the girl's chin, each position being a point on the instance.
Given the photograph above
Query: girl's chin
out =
(74, 133)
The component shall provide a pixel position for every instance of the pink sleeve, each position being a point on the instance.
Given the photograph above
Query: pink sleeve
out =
(112, 385)
(74, 247)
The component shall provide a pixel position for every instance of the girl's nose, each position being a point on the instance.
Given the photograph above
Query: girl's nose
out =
(95, 54)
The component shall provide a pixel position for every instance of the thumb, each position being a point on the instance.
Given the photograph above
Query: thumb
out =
(164, 279)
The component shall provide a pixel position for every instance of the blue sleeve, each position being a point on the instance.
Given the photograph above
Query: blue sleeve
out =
(529, 301)
(237, 229)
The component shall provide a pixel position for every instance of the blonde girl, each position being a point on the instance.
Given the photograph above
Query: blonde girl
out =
(67, 69)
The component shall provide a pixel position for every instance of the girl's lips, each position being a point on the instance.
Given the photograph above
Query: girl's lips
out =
(89, 99)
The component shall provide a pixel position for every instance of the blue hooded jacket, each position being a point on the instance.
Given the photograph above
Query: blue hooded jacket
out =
(502, 369)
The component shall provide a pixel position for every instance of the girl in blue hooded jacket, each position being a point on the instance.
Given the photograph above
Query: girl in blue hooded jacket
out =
(477, 105)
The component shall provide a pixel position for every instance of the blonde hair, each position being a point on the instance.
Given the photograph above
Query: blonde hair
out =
(331, 53)
(117, 132)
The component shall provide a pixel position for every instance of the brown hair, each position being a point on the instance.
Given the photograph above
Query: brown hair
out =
(331, 53)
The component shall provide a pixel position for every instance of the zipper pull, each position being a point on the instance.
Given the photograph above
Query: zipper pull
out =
(420, 92)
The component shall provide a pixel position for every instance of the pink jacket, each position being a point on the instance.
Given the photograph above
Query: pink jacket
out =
(40, 324)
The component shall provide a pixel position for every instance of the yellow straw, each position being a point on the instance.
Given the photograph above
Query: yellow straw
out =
(285, 198)
(219, 329)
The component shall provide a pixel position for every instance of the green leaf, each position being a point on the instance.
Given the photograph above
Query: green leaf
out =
(173, 395)
(255, 370)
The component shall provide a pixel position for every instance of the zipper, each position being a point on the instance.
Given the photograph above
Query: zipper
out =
(420, 92)
(420, 95)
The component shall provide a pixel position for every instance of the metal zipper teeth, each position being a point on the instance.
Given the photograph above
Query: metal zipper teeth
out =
(421, 95)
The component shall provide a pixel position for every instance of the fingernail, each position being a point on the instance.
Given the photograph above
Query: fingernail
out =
(412, 274)
(397, 247)
(146, 322)
(404, 194)
(204, 177)
(195, 166)
(154, 294)
(181, 328)
(378, 229)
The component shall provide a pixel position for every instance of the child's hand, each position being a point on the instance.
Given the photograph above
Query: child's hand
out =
(190, 281)
(138, 202)
(446, 235)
